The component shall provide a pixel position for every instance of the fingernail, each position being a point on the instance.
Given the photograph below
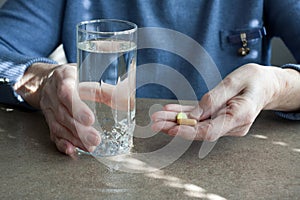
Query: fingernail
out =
(93, 139)
(70, 151)
(92, 148)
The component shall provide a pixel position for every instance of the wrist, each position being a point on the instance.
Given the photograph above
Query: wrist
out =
(29, 87)
(286, 89)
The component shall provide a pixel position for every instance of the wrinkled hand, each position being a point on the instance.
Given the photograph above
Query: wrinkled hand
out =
(232, 106)
(69, 118)
(52, 89)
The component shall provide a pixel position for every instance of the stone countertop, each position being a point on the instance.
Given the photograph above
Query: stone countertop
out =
(265, 164)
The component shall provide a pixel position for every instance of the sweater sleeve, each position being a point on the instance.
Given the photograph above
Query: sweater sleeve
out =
(29, 32)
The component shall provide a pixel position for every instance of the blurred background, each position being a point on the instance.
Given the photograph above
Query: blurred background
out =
(280, 54)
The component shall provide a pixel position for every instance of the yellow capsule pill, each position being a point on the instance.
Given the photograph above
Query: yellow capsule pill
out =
(189, 122)
(182, 119)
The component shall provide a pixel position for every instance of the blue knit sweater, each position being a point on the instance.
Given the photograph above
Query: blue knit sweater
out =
(193, 41)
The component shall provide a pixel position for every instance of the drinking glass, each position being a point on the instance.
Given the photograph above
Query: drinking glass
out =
(106, 59)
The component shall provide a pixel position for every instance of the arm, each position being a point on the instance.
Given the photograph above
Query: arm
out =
(39, 81)
(232, 106)
(282, 20)
(29, 32)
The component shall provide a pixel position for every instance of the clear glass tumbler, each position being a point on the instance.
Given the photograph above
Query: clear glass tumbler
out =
(106, 59)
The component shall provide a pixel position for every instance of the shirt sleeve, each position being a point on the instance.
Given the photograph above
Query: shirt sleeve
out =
(29, 32)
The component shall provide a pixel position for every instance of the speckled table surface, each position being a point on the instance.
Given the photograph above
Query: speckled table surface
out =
(265, 164)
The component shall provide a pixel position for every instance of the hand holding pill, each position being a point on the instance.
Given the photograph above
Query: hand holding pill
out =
(182, 119)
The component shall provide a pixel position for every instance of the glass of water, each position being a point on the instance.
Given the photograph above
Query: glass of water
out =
(106, 59)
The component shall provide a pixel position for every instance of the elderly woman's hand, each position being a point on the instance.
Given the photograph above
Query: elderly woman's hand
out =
(52, 88)
(232, 106)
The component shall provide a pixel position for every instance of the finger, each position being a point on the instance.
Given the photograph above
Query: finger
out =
(178, 108)
(202, 131)
(58, 114)
(59, 131)
(189, 110)
(163, 126)
(164, 116)
(186, 132)
(86, 142)
(63, 133)
(170, 112)
(87, 134)
(90, 91)
(63, 116)
(115, 96)
(230, 121)
(60, 118)
(64, 146)
(67, 148)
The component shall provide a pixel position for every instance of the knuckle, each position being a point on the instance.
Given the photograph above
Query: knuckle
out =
(64, 91)
(254, 68)
(232, 109)
(229, 81)
(54, 128)
(56, 74)
(64, 94)
(62, 88)
(207, 99)
(60, 114)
